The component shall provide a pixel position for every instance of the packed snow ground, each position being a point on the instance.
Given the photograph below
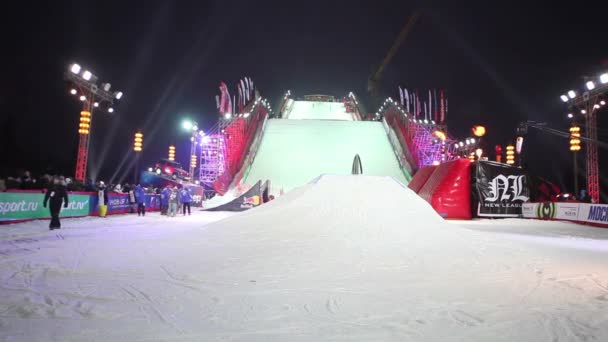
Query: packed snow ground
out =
(349, 258)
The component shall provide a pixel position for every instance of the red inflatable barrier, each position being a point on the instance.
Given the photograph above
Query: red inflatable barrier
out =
(448, 189)
(421, 177)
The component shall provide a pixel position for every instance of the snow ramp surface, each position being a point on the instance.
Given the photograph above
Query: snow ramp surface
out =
(296, 150)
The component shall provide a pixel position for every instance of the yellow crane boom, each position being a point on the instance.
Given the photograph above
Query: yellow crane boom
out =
(374, 80)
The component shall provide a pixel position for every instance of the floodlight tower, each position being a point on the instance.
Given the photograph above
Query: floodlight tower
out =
(84, 85)
(588, 104)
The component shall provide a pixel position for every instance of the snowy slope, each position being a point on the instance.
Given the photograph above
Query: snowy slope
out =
(293, 152)
(311, 110)
(349, 258)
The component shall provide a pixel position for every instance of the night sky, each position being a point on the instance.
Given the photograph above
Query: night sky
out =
(500, 64)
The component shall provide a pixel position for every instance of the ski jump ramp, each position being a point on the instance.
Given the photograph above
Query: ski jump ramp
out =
(316, 138)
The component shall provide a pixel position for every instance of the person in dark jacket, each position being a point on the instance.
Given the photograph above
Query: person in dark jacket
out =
(55, 195)
(164, 200)
(140, 197)
(185, 197)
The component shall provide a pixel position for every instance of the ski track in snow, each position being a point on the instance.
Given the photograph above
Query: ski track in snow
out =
(276, 273)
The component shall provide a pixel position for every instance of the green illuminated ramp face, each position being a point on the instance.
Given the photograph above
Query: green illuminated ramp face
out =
(294, 152)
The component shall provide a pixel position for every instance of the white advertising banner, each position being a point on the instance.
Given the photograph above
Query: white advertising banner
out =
(581, 212)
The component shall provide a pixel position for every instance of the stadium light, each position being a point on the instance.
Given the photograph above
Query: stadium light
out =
(564, 98)
(87, 75)
(83, 85)
(583, 111)
(75, 68)
(590, 85)
(138, 142)
(571, 94)
(187, 125)
(110, 110)
(603, 103)
(604, 78)
(118, 95)
(570, 115)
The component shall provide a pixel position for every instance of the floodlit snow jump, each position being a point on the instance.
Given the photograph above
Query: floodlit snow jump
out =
(315, 138)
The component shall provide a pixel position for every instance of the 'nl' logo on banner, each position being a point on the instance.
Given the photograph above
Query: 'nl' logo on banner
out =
(508, 188)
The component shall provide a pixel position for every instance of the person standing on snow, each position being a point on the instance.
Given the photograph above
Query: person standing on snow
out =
(56, 194)
(185, 197)
(140, 198)
(173, 202)
(164, 201)
(132, 200)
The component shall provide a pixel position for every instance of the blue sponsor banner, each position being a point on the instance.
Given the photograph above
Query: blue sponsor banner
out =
(119, 203)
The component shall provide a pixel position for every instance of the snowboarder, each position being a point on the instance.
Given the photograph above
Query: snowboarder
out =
(140, 197)
(173, 202)
(164, 201)
(56, 194)
(185, 197)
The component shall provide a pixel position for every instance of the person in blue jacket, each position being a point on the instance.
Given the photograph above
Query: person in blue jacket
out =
(164, 200)
(185, 197)
(140, 198)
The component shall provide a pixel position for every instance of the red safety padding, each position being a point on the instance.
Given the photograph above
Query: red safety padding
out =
(448, 189)
(420, 177)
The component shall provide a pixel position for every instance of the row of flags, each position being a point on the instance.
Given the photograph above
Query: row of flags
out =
(227, 105)
(434, 107)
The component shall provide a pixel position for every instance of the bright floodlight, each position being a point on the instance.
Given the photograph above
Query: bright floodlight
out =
(583, 111)
(194, 127)
(96, 104)
(590, 85)
(456, 145)
(227, 116)
(472, 140)
(82, 98)
(596, 106)
(604, 78)
(107, 86)
(87, 75)
(603, 103)
(571, 94)
(461, 144)
(570, 115)
(187, 125)
(110, 110)
(75, 68)
(118, 95)
(73, 91)
(564, 98)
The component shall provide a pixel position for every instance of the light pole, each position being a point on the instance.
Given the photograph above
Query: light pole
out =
(84, 85)
(588, 104)
(575, 146)
(172, 153)
(138, 145)
(191, 127)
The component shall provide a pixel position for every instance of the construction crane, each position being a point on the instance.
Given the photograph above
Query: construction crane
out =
(374, 80)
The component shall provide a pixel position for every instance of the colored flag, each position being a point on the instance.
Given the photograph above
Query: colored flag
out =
(430, 105)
